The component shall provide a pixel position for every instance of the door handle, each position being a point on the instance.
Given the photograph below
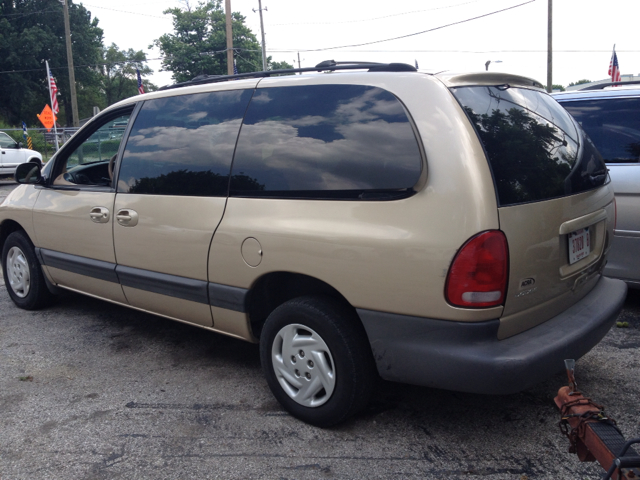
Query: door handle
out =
(99, 215)
(127, 217)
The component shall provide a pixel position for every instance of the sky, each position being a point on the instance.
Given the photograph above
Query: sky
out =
(459, 35)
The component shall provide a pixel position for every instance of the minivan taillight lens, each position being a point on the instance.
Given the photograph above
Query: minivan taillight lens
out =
(479, 271)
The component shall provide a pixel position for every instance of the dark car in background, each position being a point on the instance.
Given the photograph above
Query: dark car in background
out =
(611, 117)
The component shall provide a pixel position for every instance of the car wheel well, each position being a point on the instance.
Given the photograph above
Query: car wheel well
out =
(276, 288)
(7, 228)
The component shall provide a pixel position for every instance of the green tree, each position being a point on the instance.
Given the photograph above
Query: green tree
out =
(279, 66)
(199, 42)
(119, 79)
(32, 31)
(579, 82)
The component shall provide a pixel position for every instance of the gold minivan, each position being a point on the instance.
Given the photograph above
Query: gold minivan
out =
(357, 221)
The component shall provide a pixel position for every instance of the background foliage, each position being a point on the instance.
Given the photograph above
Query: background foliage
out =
(199, 42)
(32, 31)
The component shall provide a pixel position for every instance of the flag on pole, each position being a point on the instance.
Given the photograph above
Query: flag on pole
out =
(53, 89)
(235, 67)
(53, 92)
(614, 68)
(140, 87)
(24, 130)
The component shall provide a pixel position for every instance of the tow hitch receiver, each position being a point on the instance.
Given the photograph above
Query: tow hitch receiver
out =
(593, 435)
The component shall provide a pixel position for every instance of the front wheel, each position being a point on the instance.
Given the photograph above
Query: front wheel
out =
(23, 274)
(317, 360)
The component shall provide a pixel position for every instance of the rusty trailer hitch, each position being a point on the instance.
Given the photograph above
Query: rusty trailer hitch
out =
(593, 435)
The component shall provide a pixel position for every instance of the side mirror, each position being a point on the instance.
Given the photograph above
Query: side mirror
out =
(29, 173)
(19, 145)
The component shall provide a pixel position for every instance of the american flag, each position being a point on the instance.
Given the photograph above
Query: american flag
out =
(140, 87)
(235, 67)
(54, 92)
(614, 68)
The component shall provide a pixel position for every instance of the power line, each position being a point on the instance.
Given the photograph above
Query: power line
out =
(26, 14)
(378, 18)
(124, 11)
(87, 65)
(293, 50)
(345, 51)
(417, 33)
(257, 67)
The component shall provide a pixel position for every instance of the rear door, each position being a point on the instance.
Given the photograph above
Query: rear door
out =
(553, 206)
(172, 190)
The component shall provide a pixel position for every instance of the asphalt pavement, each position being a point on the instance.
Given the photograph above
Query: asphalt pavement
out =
(91, 390)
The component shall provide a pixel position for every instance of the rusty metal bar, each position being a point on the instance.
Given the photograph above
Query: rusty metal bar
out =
(593, 435)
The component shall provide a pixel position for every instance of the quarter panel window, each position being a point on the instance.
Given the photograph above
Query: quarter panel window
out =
(341, 140)
(183, 145)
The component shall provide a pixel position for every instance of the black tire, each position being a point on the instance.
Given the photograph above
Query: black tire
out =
(23, 274)
(347, 370)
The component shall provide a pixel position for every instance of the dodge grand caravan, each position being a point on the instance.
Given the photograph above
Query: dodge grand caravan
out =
(447, 231)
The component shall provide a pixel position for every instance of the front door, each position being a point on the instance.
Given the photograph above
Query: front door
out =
(171, 194)
(74, 213)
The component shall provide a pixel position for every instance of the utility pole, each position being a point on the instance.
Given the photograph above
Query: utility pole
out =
(549, 48)
(72, 76)
(227, 11)
(264, 46)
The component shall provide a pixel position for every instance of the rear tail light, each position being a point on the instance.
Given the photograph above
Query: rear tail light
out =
(479, 272)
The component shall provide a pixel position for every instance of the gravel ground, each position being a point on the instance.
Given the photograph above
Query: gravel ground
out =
(91, 390)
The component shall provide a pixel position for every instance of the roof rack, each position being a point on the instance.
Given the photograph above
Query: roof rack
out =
(600, 86)
(327, 65)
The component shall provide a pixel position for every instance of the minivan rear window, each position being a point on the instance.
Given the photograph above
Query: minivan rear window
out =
(535, 150)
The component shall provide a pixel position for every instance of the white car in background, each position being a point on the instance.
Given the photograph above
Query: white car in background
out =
(12, 154)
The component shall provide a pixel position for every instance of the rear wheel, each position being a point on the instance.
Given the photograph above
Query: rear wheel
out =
(317, 360)
(23, 274)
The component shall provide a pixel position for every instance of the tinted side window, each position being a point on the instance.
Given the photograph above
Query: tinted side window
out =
(326, 141)
(533, 146)
(183, 145)
(612, 124)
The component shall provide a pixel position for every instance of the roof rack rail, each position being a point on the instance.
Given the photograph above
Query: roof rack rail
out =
(327, 65)
(600, 86)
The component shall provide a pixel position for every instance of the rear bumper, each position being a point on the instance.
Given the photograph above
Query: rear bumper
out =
(468, 357)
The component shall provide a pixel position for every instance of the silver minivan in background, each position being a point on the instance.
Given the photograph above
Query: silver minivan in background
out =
(611, 117)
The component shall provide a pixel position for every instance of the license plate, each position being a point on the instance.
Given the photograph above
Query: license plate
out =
(579, 245)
